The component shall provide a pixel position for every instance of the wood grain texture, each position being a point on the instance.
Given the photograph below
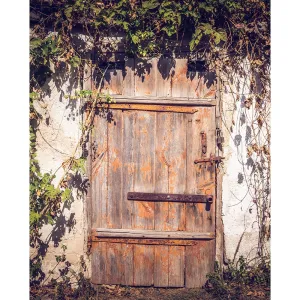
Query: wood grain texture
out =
(139, 233)
(165, 68)
(194, 211)
(115, 167)
(129, 84)
(161, 266)
(143, 265)
(164, 100)
(143, 217)
(144, 156)
(177, 170)
(129, 166)
(161, 253)
(199, 262)
(99, 173)
(98, 263)
(113, 82)
(114, 263)
(143, 241)
(176, 266)
(180, 81)
(145, 77)
(128, 264)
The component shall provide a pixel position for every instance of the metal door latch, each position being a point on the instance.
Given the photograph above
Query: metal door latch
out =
(212, 159)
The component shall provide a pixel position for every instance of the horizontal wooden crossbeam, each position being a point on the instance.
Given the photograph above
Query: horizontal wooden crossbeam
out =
(168, 242)
(151, 234)
(150, 107)
(164, 100)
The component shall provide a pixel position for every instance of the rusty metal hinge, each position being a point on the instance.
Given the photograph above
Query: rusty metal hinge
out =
(220, 138)
(89, 244)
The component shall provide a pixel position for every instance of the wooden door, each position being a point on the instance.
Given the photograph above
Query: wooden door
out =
(152, 208)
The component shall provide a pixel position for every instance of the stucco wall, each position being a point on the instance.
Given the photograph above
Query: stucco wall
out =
(57, 137)
(60, 131)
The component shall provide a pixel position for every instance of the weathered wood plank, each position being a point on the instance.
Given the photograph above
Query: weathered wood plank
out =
(194, 211)
(161, 253)
(176, 266)
(143, 218)
(129, 119)
(115, 141)
(177, 170)
(202, 85)
(165, 68)
(145, 77)
(128, 264)
(127, 207)
(133, 233)
(114, 263)
(143, 265)
(209, 89)
(193, 263)
(199, 262)
(180, 81)
(161, 266)
(164, 100)
(141, 241)
(99, 172)
(206, 171)
(128, 85)
(98, 263)
(150, 107)
(144, 172)
(113, 82)
(162, 141)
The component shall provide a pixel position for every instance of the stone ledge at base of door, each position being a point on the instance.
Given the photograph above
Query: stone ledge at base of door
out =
(151, 234)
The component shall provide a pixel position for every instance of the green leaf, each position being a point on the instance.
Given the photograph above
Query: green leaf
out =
(50, 219)
(33, 95)
(150, 4)
(74, 61)
(33, 217)
(35, 43)
(135, 39)
(68, 12)
(66, 195)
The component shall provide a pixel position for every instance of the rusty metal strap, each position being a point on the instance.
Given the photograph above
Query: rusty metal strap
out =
(149, 107)
(159, 197)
